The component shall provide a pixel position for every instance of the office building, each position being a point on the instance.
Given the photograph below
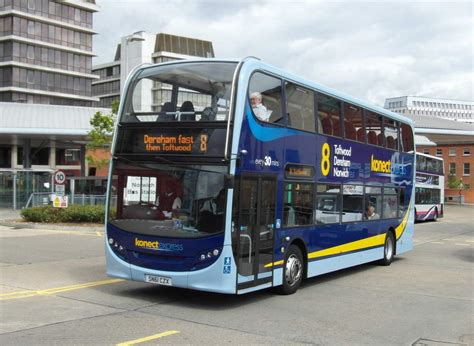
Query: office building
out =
(139, 48)
(432, 107)
(45, 93)
(46, 51)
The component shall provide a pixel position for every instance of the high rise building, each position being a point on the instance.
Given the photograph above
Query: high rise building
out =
(46, 97)
(46, 51)
(140, 48)
(432, 107)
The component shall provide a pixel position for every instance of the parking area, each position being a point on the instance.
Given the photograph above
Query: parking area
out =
(54, 291)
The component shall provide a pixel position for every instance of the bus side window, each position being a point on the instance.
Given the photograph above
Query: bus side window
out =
(391, 133)
(390, 203)
(373, 123)
(328, 204)
(354, 123)
(329, 113)
(265, 96)
(373, 203)
(406, 135)
(298, 205)
(299, 107)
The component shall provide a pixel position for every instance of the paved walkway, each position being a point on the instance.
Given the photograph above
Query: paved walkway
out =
(9, 214)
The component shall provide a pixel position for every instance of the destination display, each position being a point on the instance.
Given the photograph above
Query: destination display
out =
(202, 142)
(298, 171)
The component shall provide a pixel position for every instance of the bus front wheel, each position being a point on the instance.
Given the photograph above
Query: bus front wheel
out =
(292, 270)
(388, 250)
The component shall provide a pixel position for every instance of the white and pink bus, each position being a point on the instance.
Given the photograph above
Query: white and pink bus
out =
(429, 187)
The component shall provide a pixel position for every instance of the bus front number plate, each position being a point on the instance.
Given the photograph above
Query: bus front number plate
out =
(159, 280)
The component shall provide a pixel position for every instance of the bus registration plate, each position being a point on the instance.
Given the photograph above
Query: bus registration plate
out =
(159, 280)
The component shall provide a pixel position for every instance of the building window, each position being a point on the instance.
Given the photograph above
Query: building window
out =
(466, 152)
(31, 27)
(452, 168)
(466, 169)
(452, 151)
(439, 152)
(426, 151)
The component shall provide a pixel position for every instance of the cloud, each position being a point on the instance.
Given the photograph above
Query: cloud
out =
(371, 50)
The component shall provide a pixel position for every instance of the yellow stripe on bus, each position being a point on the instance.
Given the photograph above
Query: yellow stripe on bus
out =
(355, 245)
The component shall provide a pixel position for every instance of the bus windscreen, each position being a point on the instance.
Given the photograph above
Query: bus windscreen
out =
(198, 91)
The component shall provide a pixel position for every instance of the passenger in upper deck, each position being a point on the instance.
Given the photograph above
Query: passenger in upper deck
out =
(258, 108)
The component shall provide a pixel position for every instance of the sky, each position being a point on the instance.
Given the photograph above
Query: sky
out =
(372, 50)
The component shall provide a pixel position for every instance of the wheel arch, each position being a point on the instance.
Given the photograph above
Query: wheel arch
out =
(302, 246)
(392, 230)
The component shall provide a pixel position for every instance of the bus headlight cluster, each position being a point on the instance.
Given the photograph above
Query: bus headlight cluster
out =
(117, 248)
(209, 254)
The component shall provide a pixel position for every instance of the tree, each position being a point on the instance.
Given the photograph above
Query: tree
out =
(453, 181)
(100, 136)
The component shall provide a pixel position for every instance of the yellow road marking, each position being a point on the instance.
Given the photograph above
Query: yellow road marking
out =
(148, 338)
(437, 242)
(49, 291)
(99, 234)
(461, 244)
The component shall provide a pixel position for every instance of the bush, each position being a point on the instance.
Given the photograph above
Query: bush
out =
(73, 213)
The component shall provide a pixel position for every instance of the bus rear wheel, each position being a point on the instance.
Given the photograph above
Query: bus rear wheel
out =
(292, 271)
(388, 250)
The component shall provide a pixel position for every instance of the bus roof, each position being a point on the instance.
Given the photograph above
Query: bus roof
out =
(430, 156)
(251, 64)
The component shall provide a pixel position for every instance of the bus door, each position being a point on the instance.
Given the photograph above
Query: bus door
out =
(255, 227)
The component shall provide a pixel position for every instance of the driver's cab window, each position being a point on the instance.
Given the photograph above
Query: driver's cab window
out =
(265, 98)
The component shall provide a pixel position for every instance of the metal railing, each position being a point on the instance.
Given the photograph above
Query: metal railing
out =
(44, 198)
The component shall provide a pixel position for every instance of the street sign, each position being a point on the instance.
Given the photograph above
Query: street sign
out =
(59, 201)
(59, 177)
(59, 189)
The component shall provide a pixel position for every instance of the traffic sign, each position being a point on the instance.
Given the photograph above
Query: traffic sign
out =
(60, 189)
(59, 177)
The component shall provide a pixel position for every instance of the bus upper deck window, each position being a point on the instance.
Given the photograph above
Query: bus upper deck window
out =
(391, 133)
(373, 123)
(406, 135)
(329, 115)
(354, 123)
(265, 98)
(299, 107)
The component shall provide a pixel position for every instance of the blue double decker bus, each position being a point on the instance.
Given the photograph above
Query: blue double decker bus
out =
(234, 176)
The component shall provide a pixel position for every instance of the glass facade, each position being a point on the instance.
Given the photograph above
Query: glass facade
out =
(52, 10)
(41, 54)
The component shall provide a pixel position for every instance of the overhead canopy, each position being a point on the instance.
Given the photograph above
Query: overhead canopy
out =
(24, 120)
(443, 131)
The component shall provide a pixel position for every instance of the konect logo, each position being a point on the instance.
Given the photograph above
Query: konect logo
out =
(387, 166)
(156, 245)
